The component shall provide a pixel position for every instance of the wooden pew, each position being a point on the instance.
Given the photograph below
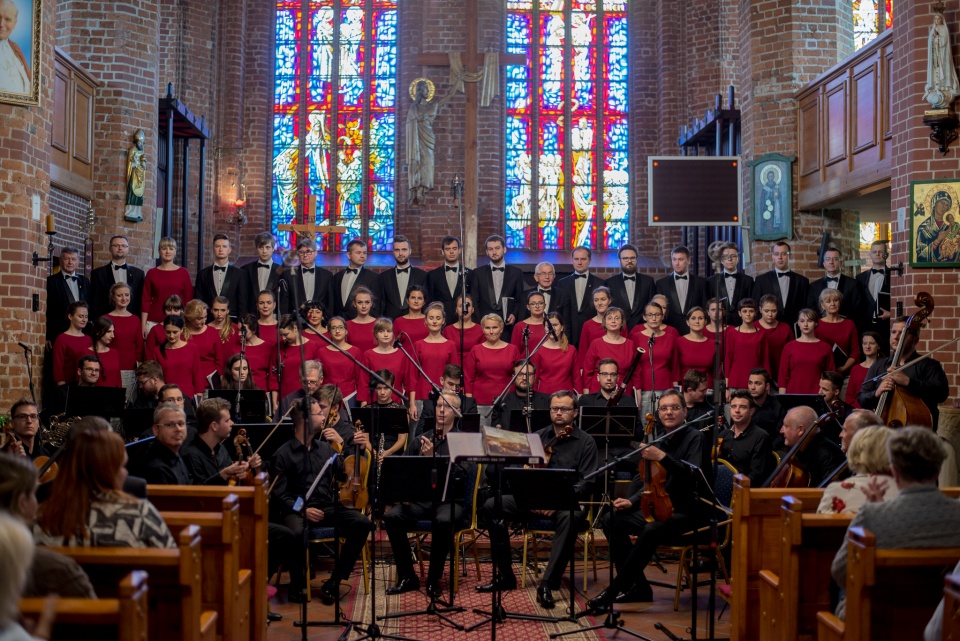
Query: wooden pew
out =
(756, 545)
(891, 594)
(951, 608)
(226, 587)
(253, 532)
(121, 619)
(791, 598)
(174, 598)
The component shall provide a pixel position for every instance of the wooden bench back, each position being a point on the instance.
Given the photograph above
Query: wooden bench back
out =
(951, 608)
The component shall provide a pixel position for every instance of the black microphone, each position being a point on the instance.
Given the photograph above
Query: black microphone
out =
(651, 341)
(396, 343)
(26, 348)
(552, 332)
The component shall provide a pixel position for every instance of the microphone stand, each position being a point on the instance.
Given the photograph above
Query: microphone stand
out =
(528, 406)
(433, 386)
(653, 374)
(520, 368)
(26, 359)
(243, 358)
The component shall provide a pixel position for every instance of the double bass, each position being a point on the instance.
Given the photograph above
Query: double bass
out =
(791, 472)
(898, 407)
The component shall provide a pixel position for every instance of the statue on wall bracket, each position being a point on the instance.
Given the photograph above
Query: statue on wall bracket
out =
(136, 180)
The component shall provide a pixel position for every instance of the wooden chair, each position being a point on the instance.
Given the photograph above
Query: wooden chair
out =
(891, 594)
(123, 618)
(541, 527)
(951, 608)
(174, 598)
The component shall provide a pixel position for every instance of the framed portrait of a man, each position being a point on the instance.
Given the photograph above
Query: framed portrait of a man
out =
(772, 212)
(934, 223)
(20, 22)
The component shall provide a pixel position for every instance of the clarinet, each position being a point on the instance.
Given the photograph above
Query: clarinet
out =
(379, 458)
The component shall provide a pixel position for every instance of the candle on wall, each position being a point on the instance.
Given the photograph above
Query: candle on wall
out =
(50, 225)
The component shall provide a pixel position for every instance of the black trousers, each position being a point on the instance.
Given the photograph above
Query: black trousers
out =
(649, 539)
(618, 526)
(351, 525)
(403, 518)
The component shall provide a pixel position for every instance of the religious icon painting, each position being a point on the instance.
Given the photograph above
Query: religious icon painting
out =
(20, 22)
(934, 223)
(772, 199)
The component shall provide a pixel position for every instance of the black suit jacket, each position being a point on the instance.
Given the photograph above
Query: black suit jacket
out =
(439, 292)
(854, 300)
(484, 295)
(322, 289)
(232, 288)
(742, 289)
(389, 297)
(250, 284)
(768, 283)
(559, 302)
(696, 296)
(643, 292)
(101, 280)
(59, 299)
(365, 278)
(874, 306)
(586, 310)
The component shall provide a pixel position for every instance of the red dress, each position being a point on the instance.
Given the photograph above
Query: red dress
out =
(415, 330)
(801, 365)
(433, 357)
(361, 335)
(557, 369)
(290, 379)
(210, 349)
(181, 367)
(109, 369)
(599, 350)
(395, 362)
(665, 365)
(471, 337)
(744, 352)
(156, 337)
(590, 332)
(487, 371)
(858, 374)
(268, 333)
(638, 329)
(67, 350)
(260, 360)
(230, 346)
(339, 370)
(843, 334)
(159, 285)
(127, 340)
(777, 339)
(536, 333)
(698, 356)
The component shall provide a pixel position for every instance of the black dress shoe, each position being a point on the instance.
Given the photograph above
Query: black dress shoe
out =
(405, 584)
(599, 602)
(505, 583)
(328, 592)
(545, 598)
(434, 591)
(636, 594)
(273, 616)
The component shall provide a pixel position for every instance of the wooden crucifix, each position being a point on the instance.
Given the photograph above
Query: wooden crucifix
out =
(472, 60)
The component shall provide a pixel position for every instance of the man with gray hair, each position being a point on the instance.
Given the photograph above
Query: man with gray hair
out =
(857, 420)
(163, 464)
(821, 456)
(14, 70)
(557, 299)
(311, 380)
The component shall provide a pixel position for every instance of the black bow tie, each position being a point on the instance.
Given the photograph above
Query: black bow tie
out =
(497, 269)
(831, 279)
(545, 291)
(725, 274)
(450, 269)
(73, 278)
(307, 270)
(633, 278)
(263, 265)
(675, 277)
(117, 268)
(352, 270)
(579, 275)
(219, 269)
(876, 271)
(404, 270)
(783, 274)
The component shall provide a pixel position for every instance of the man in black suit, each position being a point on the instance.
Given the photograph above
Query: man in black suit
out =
(311, 282)
(116, 271)
(355, 275)
(557, 299)
(682, 289)
(221, 278)
(392, 284)
(734, 284)
(445, 283)
(853, 303)
(631, 290)
(490, 284)
(64, 288)
(876, 286)
(260, 275)
(579, 287)
(789, 287)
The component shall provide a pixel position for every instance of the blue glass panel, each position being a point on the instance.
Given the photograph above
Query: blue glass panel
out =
(285, 159)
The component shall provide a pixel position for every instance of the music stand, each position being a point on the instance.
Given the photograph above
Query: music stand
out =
(613, 428)
(105, 402)
(790, 401)
(539, 419)
(252, 407)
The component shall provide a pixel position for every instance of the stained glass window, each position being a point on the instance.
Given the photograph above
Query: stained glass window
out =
(334, 118)
(867, 21)
(568, 179)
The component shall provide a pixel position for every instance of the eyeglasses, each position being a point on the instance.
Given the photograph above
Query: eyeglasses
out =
(172, 424)
(27, 417)
(656, 315)
(558, 410)
(91, 370)
(670, 408)
(142, 382)
(306, 251)
(116, 246)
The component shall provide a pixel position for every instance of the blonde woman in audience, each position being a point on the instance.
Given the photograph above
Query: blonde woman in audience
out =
(867, 459)
(16, 555)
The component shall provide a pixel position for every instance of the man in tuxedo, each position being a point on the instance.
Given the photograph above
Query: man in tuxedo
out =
(852, 306)
(682, 289)
(876, 285)
(260, 275)
(116, 271)
(444, 284)
(734, 285)
(64, 288)
(311, 282)
(631, 290)
(221, 278)
(355, 275)
(557, 299)
(579, 287)
(392, 284)
(789, 287)
(490, 284)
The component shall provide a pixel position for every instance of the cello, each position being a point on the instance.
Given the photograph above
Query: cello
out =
(790, 472)
(898, 407)
(655, 503)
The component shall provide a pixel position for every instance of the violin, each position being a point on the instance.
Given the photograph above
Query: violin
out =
(655, 503)
(353, 491)
(792, 472)
(898, 407)
(564, 432)
(244, 453)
